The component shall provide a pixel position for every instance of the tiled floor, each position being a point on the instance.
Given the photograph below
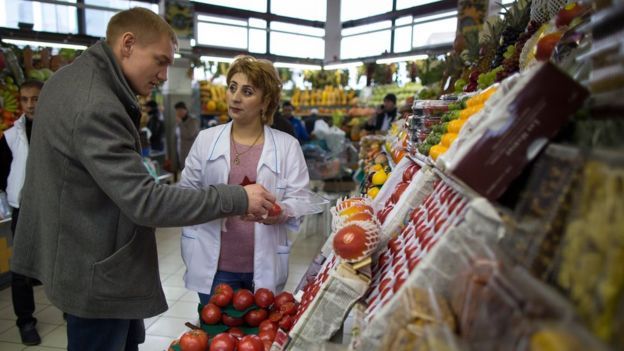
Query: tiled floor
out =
(161, 330)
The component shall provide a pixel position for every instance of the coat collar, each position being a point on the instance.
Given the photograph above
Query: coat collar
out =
(221, 148)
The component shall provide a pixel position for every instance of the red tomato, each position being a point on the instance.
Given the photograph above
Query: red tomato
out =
(267, 335)
(231, 321)
(350, 242)
(220, 300)
(267, 325)
(194, 340)
(282, 298)
(409, 172)
(264, 297)
(243, 298)
(286, 322)
(236, 332)
(211, 314)
(288, 308)
(254, 317)
(222, 295)
(223, 342)
(250, 343)
(275, 316)
(276, 210)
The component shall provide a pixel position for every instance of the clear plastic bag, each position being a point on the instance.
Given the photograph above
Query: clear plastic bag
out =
(306, 202)
(5, 209)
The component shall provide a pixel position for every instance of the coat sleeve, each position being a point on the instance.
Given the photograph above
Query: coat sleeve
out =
(6, 157)
(297, 180)
(105, 144)
(192, 173)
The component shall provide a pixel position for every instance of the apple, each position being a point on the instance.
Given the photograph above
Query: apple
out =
(568, 13)
(546, 46)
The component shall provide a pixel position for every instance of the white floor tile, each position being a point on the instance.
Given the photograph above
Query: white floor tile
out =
(44, 348)
(57, 338)
(8, 313)
(168, 327)
(149, 321)
(174, 293)
(155, 343)
(190, 296)
(7, 346)
(5, 324)
(50, 314)
(174, 281)
(182, 309)
(12, 334)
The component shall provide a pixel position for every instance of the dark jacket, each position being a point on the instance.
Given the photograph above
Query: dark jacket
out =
(90, 204)
(283, 124)
(379, 120)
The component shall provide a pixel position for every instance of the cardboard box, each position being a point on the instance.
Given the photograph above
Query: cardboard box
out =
(536, 108)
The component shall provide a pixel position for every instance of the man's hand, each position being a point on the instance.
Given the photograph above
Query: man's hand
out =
(260, 201)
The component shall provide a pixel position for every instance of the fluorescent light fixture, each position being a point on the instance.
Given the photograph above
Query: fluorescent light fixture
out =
(217, 59)
(193, 42)
(296, 66)
(401, 59)
(176, 55)
(44, 44)
(343, 65)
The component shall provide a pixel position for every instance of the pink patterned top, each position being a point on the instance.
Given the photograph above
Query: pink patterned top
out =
(237, 243)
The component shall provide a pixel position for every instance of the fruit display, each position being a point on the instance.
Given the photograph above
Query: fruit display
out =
(326, 100)
(239, 320)
(356, 232)
(403, 93)
(212, 98)
(374, 165)
(440, 210)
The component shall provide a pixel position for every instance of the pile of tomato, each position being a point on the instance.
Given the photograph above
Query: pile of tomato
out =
(239, 313)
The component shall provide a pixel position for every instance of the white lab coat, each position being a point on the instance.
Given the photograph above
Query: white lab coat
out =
(281, 170)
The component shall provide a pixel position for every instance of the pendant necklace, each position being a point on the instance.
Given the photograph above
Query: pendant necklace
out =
(237, 154)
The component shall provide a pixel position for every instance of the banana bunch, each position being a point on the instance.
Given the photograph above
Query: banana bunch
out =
(9, 100)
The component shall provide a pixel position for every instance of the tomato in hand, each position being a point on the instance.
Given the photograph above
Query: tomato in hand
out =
(254, 317)
(223, 342)
(275, 211)
(194, 340)
(243, 298)
(250, 343)
(211, 314)
(264, 297)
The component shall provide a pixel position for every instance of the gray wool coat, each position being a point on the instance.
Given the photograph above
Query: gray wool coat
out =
(89, 206)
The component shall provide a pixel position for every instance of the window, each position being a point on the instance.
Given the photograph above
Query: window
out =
(435, 32)
(221, 35)
(404, 4)
(294, 28)
(251, 5)
(370, 44)
(96, 20)
(313, 10)
(366, 28)
(44, 17)
(257, 37)
(355, 9)
(306, 46)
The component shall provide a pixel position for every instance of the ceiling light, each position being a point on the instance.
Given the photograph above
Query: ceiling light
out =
(176, 55)
(217, 59)
(401, 59)
(342, 65)
(296, 66)
(193, 42)
(43, 44)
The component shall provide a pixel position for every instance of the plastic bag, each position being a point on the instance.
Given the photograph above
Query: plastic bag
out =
(5, 209)
(306, 202)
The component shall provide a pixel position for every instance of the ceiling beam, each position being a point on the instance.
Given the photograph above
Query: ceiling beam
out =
(207, 9)
(79, 39)
(421, 10)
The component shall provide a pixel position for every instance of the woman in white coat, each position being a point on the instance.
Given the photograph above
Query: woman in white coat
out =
(249, 253)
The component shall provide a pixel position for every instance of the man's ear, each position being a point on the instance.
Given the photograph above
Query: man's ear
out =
(127, 42)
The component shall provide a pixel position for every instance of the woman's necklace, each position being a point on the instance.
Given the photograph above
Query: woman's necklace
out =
(237, 154)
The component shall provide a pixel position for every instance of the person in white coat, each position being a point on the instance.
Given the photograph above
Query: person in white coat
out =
(238, 251)
(13, 154)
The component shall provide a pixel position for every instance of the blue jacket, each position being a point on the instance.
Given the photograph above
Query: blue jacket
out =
(300, 130)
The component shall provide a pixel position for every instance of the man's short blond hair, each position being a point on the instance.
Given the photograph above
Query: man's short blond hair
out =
(147, 26)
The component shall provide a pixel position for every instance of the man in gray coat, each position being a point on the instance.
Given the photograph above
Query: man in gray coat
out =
(89, 206)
